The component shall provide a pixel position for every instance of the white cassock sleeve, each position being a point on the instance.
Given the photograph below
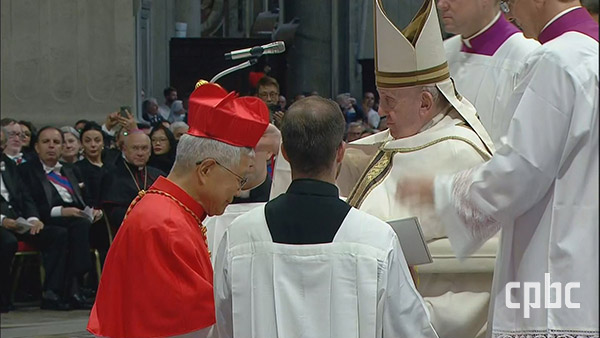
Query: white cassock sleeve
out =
(222, 290)
(404, 312)
(476, 203)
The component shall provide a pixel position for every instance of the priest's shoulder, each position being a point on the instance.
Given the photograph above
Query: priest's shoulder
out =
(453, 44)
(520, 46)
(252, 222)
(567, 51)
(367, 229)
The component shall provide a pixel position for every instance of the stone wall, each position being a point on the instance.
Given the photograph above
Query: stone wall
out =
(63, 60)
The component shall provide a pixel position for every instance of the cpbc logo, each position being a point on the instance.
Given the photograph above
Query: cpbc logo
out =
(531, 295)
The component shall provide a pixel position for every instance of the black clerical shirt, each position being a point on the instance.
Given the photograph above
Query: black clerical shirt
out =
(259, 194)
(310, 212)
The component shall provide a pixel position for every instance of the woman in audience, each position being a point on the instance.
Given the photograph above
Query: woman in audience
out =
(93, 169)
(71, 146)
(28, 132)
(163, 148)
(91, 166)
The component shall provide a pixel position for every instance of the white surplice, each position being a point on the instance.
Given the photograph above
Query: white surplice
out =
(488, 81)
(541, 190)
(357, 286)
(216, 225)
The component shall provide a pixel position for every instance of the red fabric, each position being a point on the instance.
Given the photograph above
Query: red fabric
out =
(254, 77)
(157, 279)
(24, 246)
(238, 121)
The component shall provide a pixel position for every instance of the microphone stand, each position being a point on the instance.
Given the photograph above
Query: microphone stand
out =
(230, 70)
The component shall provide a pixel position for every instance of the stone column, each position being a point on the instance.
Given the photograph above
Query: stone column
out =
(309, 58)
(189, 11)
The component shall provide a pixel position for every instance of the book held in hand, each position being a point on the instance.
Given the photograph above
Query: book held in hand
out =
(411, 240)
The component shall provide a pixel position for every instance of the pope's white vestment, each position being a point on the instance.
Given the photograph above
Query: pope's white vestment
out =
(356, 286)
(484, 68)
(541, 190)
(457, 292)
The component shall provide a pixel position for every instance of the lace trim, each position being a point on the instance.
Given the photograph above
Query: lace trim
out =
(546, 334)
(481, 225)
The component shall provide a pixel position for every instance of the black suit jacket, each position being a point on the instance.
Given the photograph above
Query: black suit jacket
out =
(118, 188)
(20, 203)
(44, 193)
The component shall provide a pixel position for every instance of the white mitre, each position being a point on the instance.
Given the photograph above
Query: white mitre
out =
(415, 56)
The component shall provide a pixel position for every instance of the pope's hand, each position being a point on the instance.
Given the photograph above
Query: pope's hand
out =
(414, 191)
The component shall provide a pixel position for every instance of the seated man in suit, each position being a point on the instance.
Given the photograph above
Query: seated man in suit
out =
(128, 176)
(56, 192)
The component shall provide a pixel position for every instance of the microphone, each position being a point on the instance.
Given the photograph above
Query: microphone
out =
(276, 47)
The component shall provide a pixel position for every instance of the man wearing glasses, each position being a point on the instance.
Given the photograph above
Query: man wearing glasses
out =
(14, 143)
(484, 58)
(267, 89)
(158, 278)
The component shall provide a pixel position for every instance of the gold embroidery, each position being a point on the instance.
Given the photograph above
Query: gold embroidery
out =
(376, 171)
(381, 164)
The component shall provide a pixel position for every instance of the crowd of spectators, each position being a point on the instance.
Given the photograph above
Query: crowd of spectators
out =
(363, 116)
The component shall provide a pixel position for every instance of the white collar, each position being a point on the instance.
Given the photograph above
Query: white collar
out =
(467, 41)
(17, 156)
(559, 15)
(48, 169)
(129, 163)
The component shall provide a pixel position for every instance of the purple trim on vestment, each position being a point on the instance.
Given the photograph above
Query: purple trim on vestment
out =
(488, 42)
(577, 20)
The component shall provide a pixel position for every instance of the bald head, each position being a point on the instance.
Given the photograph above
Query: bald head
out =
(312, 131)
(137, 148)
(267, 146)
(270, 141)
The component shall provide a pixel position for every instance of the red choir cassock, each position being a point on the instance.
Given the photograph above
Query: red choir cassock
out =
(158, 278)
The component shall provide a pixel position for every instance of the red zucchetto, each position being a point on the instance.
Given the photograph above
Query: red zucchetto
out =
(239, 121)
